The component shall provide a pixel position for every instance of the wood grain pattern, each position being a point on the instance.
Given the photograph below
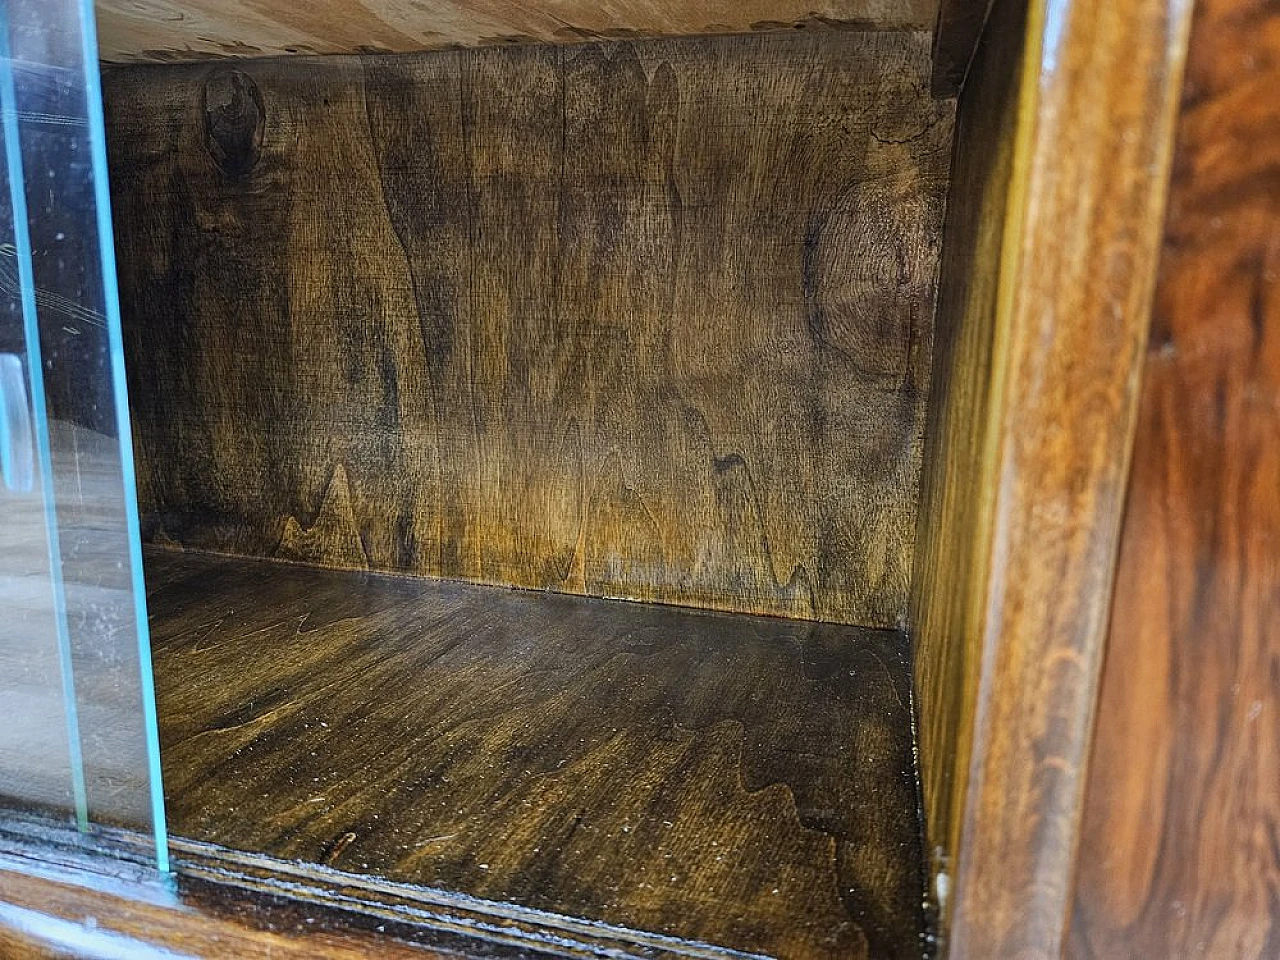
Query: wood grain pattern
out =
(647, 320)
(44, 920)
(1096, 97)
(175, 30)
(1178, 854)
(955, 40)
(56, 902)
(737, 781)
(951, 564)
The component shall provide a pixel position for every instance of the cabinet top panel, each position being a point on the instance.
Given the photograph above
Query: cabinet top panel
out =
(169, 30)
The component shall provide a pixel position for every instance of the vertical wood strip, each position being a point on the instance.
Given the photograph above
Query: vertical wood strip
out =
(951, 572)
(1178, 854)
(1084, 197)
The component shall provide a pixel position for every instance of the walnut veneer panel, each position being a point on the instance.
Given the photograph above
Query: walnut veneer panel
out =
(738, 781)
(167, 30)
(649, 320)
(1178, 854)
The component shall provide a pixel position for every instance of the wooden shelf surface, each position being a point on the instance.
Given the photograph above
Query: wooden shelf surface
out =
(737, 781)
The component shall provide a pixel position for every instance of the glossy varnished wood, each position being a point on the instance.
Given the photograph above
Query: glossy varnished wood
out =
(738, 781)
(952, 569)
(1178, 854)
(169, 30)
(42, 919)
(648, 320)
(1037, 524)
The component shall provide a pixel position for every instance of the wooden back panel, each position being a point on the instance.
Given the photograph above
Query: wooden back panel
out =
(644, 320)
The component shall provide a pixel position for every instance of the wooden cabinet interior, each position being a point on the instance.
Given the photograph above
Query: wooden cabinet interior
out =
(631, 308)
(647, 320)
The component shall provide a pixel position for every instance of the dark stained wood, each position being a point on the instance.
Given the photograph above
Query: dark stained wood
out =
(1178, 854)
(952, 569)
(1054, 405)
(647, 320)
(955, 39)
(738, 781)
(177, 30)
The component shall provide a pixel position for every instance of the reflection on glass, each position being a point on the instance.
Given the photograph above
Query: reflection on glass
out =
(74, 649)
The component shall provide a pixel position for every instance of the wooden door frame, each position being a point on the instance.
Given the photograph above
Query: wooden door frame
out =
(1028, 537)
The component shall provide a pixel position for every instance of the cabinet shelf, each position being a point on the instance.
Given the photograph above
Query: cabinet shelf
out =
(741, 782)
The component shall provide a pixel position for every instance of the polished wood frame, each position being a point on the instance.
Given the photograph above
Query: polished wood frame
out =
(1177, 853)
(1017, 557)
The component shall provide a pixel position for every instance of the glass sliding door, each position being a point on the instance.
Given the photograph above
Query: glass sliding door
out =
(79, 732)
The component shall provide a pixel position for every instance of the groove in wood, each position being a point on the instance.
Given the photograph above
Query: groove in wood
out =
(951, 568)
